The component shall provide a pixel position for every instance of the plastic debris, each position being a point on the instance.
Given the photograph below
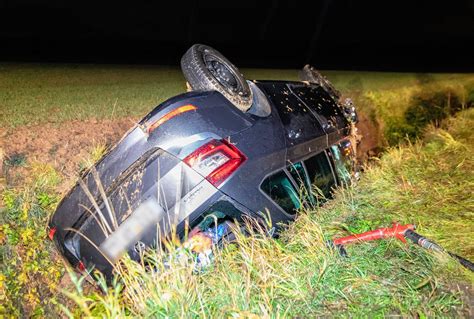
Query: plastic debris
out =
(201, 243)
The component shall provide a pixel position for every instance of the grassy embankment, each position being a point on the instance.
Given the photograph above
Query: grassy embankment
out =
(429, 184)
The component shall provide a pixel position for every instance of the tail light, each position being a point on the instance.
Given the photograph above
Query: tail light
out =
(51, 233)
(216, 160)
(80, 266)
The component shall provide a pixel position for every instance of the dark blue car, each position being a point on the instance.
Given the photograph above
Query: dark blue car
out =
(230, 148)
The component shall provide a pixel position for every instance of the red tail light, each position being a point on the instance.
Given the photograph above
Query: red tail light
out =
(51, 233)
(216, 160)
(80, 266)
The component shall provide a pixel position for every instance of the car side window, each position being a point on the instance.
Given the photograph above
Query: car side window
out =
(320, 175)
(280, 189)
(299, 175)
(342, 162)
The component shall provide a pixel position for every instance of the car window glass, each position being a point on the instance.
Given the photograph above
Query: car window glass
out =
(298, 173)
(342, 164)
(320, 175)
(282, 191)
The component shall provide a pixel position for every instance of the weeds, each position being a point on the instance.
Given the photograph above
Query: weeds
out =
(93, 156)
(406, 112)
(29, 276)
(297, 275)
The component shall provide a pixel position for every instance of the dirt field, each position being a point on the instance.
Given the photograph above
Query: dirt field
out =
(63, 146)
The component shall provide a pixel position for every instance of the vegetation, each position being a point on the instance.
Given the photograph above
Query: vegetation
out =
(298, 276)
(428, 182)
(34, 94)
(406, 110)
(29, 273)
(39, 93)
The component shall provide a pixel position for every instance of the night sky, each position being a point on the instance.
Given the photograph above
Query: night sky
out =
(338, 34)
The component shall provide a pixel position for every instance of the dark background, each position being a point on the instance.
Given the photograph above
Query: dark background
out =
(330, 34)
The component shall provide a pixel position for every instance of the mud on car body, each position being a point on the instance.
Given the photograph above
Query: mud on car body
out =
(230, 146)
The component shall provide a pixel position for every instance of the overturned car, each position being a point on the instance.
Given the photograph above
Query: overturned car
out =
(228, 148)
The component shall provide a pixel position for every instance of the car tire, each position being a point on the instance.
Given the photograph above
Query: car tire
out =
(206, 69)
(312, 75)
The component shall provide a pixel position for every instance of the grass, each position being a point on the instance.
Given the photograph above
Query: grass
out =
(404, 109)
(30, 269)
(40, 93)
(298, 276)
(33, 94)
(427, 182)
(28, 274)
(95, 154)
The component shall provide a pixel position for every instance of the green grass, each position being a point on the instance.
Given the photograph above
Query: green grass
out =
(401, 105)
(29, 275)
(429, 183)
(40, 93)
(32, 94)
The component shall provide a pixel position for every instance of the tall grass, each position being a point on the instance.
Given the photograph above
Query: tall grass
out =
(405, 111)
(429, 183)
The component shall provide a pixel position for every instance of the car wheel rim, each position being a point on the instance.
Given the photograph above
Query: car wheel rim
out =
(222, 73)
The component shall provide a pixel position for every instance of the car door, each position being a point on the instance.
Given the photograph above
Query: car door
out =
(303, 131)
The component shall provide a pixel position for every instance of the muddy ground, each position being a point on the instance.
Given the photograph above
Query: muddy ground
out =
(371, 138)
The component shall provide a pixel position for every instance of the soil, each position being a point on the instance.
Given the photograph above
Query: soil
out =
(371, 142)
(63, 146)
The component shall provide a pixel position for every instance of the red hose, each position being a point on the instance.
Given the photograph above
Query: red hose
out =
(397, 231)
